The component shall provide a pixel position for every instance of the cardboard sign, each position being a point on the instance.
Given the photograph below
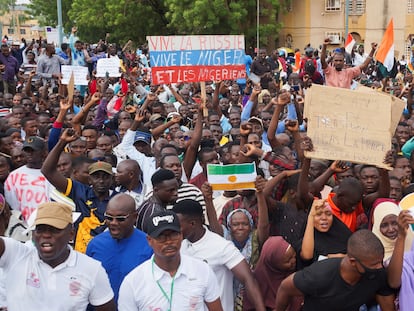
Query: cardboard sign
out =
(176, 59)
(80, 74)
(108, 67)
(355, 126)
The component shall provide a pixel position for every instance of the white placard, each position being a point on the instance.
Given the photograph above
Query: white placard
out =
(80, 74)
(108, 65)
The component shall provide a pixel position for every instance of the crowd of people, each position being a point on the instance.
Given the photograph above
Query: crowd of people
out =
(105, 202)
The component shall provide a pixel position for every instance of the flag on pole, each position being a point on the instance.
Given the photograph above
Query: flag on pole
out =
(232, 176)
(385, 52)
(349, 43)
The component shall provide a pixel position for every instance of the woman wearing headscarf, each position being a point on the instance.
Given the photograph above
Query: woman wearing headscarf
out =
(385, 227)
(277, 261)
(325, 235)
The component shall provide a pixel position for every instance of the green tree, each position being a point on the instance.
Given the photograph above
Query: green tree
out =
(45, 11)
(122, 19)
(5, 5)
(226, 17)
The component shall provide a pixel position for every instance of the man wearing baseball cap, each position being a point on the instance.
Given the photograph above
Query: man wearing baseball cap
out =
(51, 275)
(169, 281)
(91, 200)
(25, 187)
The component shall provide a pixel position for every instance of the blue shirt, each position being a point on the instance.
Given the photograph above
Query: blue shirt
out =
(92, 220)
(119, 257)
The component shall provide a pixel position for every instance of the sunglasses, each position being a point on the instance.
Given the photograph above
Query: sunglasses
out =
(117, 218)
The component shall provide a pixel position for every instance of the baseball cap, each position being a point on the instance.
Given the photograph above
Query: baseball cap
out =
(156, 116)
(54, 214)
(100, 166)
(161, 221)
(35, 143)
(256, 120)
(142, 136)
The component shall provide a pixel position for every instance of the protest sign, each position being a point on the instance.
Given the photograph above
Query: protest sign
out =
(177, 59)
(108, 66)
(80, 74)
(355, 126)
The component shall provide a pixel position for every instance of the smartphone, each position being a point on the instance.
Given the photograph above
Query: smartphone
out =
(295, 88)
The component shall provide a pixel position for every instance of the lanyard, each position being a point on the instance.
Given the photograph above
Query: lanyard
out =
(169, 299)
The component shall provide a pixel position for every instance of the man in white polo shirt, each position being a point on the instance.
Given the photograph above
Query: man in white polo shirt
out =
(221, 255)
(169, 281)
(50, 275)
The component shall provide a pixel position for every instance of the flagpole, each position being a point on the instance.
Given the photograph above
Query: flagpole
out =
(346, 17)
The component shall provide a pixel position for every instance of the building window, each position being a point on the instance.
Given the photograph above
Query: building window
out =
(22, 31)
(289, 5)
(407, 51)
(335, 37)
(10, 31)
(356, 7)
(332, 5)
(410, 6)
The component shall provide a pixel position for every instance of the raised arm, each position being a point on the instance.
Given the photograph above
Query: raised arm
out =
(159, 130)
(323, 53)
(336, 167)
(369, 58)
(308, 243)
(394, 270)
(287, 290)
(280, 102)
(304, 196)
(242, 273)
(214, 224)
(56, 129)
(49, 166)
(215, 100)
(263, 226)
(190, 155)
(80, 117)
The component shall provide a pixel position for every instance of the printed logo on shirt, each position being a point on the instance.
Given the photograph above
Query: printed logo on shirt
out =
(74, 288)
(193, 303)
(33, 280)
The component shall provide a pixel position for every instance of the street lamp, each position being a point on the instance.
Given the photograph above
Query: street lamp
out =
(59, 26)
(257, 25)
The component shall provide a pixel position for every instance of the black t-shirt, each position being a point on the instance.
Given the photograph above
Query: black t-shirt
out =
(324, 288)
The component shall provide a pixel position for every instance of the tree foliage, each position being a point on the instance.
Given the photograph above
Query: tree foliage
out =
(135, 19)
(46, 12)
(5, 5)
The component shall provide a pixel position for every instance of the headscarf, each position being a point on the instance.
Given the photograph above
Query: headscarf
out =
(267, 275)
(246, 249)
(382, 210)
(260, 97)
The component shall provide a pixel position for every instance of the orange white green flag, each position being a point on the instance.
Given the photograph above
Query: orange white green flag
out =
(232, 176)
(349, 43)
(385, 52)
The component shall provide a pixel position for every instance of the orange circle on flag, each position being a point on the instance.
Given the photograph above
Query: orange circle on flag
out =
(232, 178)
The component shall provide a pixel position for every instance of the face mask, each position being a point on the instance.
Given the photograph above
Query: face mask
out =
(370, 274)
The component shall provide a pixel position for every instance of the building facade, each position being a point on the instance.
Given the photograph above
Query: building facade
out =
(311, 21)
(17, 24)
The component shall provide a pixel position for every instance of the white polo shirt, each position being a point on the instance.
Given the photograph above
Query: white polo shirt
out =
(194, 284)
(31, 284)
(222, 256)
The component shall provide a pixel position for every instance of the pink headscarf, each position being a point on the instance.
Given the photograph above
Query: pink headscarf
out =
(267, 275)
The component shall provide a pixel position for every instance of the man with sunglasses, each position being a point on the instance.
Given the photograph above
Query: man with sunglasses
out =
(342, 283)
(122, 247)
(49, 275)
(169, 281)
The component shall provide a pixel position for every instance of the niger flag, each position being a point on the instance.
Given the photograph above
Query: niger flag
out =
(385, 52)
